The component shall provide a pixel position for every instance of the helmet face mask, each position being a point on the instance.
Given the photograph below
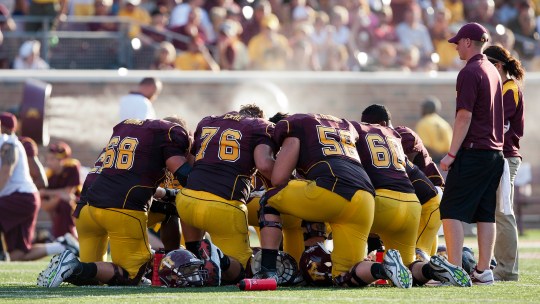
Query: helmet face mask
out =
(180, 268)
(287, 269)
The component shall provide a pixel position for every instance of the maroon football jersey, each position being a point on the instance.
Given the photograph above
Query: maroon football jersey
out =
(383, 158)
(423, 187)
(224, 154)
(327, 152)
(133, 163)
(68, 177)
(412, 143)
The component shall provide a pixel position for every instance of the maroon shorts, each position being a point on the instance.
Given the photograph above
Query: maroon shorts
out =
(18, 215)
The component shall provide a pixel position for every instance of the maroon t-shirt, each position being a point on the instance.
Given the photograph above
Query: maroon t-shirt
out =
(514, 116)
(479, 90)
(383, 158)
(224, 154)
(133, 164)
(328, 152)
(412, 143)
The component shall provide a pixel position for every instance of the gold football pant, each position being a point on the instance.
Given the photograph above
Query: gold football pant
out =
(124, 229)
(225, 221)
(430, 222)
(350, 220)
(396, 220)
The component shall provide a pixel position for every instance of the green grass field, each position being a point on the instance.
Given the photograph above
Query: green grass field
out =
(17, 285)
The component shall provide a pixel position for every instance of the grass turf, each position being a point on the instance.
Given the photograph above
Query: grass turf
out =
(17, 285)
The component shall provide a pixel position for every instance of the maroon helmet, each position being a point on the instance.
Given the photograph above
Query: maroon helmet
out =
(316, 266)
(181, 268)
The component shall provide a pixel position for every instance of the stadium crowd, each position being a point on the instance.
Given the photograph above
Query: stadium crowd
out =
(302, 35)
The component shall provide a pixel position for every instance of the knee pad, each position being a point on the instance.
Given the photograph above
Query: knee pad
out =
(265, 209)
(313, 229)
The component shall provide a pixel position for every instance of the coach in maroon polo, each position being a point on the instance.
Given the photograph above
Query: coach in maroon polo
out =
(475, 160)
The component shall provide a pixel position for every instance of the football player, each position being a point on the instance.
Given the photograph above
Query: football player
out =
(227, 150)
(336, 189)
(115, 205)
(397, 208)
(430, 221)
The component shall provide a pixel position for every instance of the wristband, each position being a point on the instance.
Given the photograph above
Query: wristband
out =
(451, 155)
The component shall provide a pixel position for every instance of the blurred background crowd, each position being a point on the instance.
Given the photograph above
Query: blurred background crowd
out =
(299, 35)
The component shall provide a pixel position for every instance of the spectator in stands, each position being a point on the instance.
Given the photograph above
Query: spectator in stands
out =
(435, 132)
(20, 201)
(339, 18)
(164, 57)
(165, 6)
(427, 8)
(384, 57)
(196, 58)
(506, 10)
(102, 8)
(412, 32)
(252, 26)
(456, 11)
(362, 23)
(59, 198)
(399, 7)
(157, 30)
(384, 31)
(138, 104)
(482, 12)
(53, 11)
(191, 30)
(321, 37)
(303, 57)
(337, 59)
(29, 58)
(300, 13)
(440, 33)
(525, 25)
(180, 16)
(81, 7)
(232, 51)
(409, 58)
(7, 25)
(218, 15)
(269, 50)
(137, 15)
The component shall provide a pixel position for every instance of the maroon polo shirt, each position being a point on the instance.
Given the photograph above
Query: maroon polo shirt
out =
(479, 90)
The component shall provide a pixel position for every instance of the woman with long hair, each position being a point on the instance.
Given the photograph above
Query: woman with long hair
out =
(512, 74)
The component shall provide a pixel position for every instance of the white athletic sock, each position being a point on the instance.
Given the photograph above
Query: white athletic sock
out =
(54, 248)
